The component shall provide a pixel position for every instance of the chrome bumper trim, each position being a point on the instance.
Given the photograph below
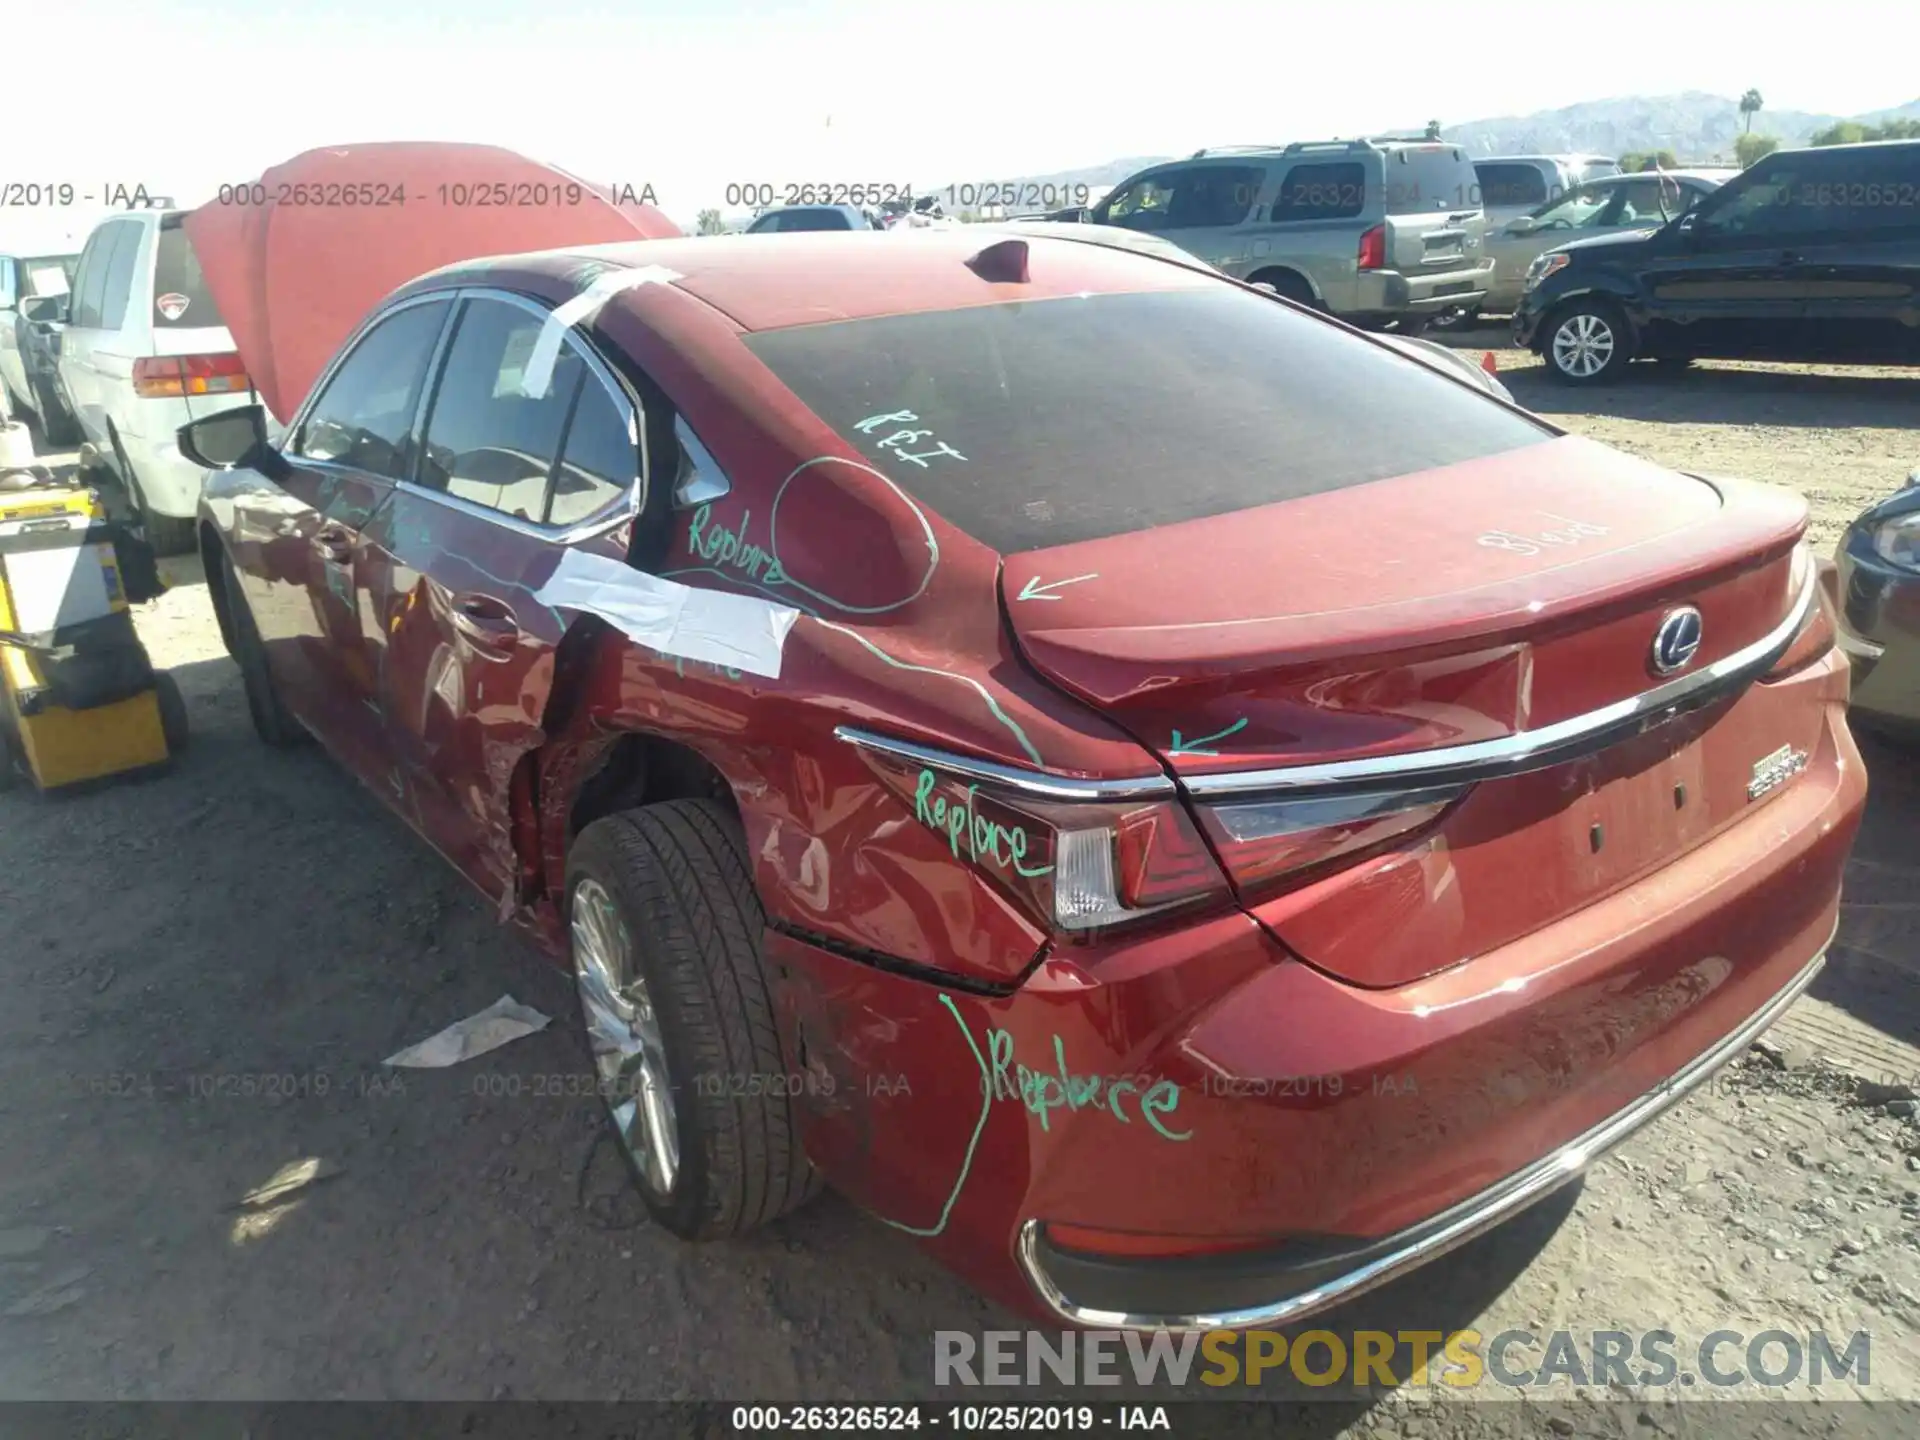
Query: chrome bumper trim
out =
(1525, 750)
(1451, 1228)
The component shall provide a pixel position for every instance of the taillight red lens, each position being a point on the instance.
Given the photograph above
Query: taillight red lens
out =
(160, 376)
(1373, 249)
(1076, 866)
(1263, 841)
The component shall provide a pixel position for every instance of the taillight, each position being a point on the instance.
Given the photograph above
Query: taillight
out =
(1076, 866)
(160, 376)
(1373, 249)
(1266, 839)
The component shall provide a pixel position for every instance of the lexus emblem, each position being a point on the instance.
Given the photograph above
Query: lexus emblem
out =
(1677, 640)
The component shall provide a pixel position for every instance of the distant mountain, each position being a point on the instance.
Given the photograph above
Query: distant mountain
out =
(1695, 126)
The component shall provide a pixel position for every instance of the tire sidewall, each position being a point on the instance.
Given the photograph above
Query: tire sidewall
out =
(683, 1209)
(1615, 321)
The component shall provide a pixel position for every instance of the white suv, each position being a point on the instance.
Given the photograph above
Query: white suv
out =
(143, 352)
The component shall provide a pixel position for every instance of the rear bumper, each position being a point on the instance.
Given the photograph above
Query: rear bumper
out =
(1239, 1138)
(1297, 1281)
(1388, 292)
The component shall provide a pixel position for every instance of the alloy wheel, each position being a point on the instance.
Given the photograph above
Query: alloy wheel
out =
(1583, 345)
(624, 1030)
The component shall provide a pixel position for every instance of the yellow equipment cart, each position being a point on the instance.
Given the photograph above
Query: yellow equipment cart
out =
(79, 699)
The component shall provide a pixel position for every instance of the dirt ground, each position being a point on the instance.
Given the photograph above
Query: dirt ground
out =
(203, 972)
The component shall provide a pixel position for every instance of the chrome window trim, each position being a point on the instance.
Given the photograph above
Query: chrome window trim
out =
(1028, 782)
(1526, 750)
(609, 517)
(1453, 1227)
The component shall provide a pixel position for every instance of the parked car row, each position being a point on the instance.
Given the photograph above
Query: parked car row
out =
(32, 291)
(861, 697)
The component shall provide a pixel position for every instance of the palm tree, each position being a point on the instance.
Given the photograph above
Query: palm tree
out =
(1750, 104)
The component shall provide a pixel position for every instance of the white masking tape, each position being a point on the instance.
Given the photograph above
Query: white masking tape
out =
(580, 310)
(738, 631)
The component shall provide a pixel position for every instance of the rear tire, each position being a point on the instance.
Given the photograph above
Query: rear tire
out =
(56, 425)
(665, 930)
(1587, 342)
(1289, 286)
(272, 722)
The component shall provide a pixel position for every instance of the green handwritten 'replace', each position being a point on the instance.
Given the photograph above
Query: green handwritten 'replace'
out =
(1044, 1091)
(986, 838)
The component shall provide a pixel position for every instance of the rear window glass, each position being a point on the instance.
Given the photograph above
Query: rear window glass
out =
(181, 300)
(1420, 179)
(1046, 422)
(1513, 185)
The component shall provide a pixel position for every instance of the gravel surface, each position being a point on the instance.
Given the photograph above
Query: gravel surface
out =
(203, 973)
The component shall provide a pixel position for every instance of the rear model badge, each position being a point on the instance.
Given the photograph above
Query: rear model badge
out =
(1775, 770)
(1677, 640)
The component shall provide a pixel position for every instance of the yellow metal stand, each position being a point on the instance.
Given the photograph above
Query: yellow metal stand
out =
(61, 595)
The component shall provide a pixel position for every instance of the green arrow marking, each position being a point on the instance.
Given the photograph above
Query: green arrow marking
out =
(1192, 747)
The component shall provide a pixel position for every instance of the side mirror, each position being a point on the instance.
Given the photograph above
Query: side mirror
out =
(1913, 479)
(226, 440)
(1523, 225)
(45, 309)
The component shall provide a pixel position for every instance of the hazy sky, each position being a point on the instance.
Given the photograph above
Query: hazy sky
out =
(692, 94)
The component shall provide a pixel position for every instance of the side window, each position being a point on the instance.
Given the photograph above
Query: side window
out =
(1649, 202)
(1514, 185)
(600, 461)
(94, 265)
(9, 285)
(1331, 191)
(1864, 190)
(1143, 205)
(113, 300)
(1768, 200)
(488, 440)
(364, 416)
(1214, 195)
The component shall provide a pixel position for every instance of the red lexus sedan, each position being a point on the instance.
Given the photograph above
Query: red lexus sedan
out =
(1183, 808)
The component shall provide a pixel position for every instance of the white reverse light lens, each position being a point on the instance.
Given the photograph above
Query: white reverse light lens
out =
(1084, 893)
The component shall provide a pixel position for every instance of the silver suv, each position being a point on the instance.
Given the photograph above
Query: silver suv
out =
(1373, 231)
(1516, 185)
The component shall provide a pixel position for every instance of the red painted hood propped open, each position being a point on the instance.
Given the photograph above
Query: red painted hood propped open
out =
(292, 276)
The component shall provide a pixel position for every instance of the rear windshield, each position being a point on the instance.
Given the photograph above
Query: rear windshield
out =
(1046, 422)
(1420, 179)
(1509, 184)
(181, 300)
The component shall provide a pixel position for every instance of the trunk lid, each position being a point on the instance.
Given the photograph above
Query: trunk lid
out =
(1433, 214)
(1455, 607)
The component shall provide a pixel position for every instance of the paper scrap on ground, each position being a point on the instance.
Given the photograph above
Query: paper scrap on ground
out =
(506, 1019)
(679, 621)
(580, 310)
